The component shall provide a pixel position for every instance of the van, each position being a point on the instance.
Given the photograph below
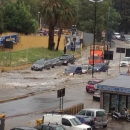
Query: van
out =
(68, 121)
(99, 116)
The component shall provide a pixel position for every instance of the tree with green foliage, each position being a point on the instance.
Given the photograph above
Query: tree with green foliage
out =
(103, 16)
(123, 7)
(17, 18)
(68, 15)
(56, 13)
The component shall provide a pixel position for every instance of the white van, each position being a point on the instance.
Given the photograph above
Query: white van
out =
(68, 121)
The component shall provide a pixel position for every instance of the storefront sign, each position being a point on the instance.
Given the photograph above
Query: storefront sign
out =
(116, 89)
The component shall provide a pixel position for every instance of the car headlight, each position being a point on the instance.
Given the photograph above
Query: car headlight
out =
(97, 69)
(65, 61)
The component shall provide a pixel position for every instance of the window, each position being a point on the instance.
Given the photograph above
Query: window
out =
(88, 113)
(100, 114)
(60, 128)
(45, 128)
(75, 121)
(82, 112)
(66, 122)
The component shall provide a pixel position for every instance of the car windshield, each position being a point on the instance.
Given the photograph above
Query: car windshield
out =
(95, 57)
(100, 113)
(85, 67)
(75, 121)
(92, 82)
(40, 62)
(71, 68)
(126, 59)
(98, 65)
(64, 57)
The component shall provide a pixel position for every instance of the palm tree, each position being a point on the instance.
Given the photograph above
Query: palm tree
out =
(50, 10)
(68, 15)
(57, 12)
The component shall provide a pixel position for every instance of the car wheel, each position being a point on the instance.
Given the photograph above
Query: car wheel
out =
(104, 126)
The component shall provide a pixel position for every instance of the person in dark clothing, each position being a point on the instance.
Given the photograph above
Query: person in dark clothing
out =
(53, 45)
(65, 49)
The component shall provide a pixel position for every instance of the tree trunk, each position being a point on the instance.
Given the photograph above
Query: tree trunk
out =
(51, 36)
(59, 37)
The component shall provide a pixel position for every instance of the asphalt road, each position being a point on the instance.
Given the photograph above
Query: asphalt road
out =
(24, 111)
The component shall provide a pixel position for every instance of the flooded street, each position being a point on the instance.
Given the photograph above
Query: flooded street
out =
(44, 85)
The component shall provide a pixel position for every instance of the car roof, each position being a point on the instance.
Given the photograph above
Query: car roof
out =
(25, 128)
(52, 124)
(58, 115)
(96, 80)
(94, 109)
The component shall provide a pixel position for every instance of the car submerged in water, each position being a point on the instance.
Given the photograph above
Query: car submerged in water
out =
(71, 70)
(41, 64)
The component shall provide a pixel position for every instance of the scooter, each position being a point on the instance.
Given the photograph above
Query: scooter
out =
(121, 115)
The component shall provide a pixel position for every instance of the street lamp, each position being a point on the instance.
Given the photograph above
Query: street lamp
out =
(94, 36)
(39, 19)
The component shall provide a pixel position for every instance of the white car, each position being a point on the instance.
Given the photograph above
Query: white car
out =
(117, 36)
(86, 68)
(125, 62)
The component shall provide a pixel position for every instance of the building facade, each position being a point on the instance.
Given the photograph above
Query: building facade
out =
(115, 93)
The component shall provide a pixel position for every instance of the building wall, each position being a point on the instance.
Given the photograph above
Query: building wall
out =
(35, 41)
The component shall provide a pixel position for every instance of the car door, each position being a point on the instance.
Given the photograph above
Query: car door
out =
(67, 124)
(79, 70)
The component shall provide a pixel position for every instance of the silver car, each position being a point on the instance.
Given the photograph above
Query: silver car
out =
(99, 116)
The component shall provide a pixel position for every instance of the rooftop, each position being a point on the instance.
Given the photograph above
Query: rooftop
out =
(120, 81)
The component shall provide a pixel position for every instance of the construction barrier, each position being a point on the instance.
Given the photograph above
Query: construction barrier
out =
(2, 121)
(74, 109)
(39, 121)
(71, 110)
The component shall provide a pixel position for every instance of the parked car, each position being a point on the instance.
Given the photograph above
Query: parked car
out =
(96, 95)
(38, 65)
(56, 62)
(99, 116)
(100, 67)
(41, 64)
(125, 61)
(92, 85)
(86, 68)
(67, 58)
(117, 35)
(71, 70)
(86, 120)
(70, 122)
(50, 126)
(23, 128)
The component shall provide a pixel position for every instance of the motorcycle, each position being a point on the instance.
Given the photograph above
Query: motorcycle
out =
(121, 115)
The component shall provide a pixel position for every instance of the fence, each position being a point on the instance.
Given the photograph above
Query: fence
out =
(71, 110)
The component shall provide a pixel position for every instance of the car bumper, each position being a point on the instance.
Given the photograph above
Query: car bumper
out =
(100, 123)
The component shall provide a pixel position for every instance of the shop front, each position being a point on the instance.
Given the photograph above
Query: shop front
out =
(115, 94)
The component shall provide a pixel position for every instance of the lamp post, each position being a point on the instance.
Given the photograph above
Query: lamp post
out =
(39, 19)
(94, 36)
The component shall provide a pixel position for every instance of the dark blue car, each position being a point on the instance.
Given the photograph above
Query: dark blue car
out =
(86, 120)
(71, 70)
(100, 67)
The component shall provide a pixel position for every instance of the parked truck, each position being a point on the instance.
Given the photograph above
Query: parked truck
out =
(97, 53)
